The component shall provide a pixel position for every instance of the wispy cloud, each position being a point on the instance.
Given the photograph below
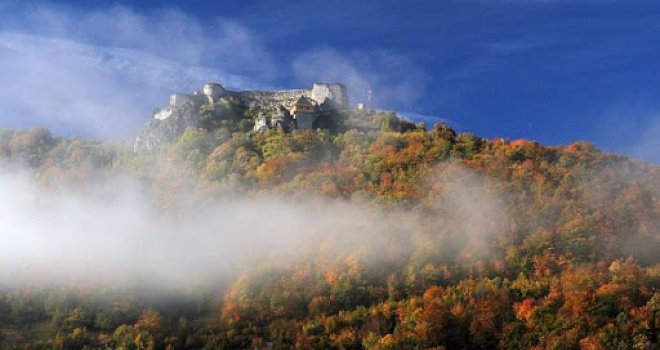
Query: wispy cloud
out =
(101, 73)
(631, 125)
(396, 81)
(111, 231)
(167, 33)
(491, 56)
(648, 146)
(428, 119)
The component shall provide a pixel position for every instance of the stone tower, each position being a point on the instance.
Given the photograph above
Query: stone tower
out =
(213, 91)
(334, 93)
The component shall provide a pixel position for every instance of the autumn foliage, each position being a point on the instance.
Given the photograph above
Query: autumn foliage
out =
(576, 265)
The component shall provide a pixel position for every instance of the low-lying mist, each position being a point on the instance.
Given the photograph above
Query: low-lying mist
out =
(112, 233)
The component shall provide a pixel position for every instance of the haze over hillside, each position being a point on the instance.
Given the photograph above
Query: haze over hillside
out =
(234, 222)
(381, 175)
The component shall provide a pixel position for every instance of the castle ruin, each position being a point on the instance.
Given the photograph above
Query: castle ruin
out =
(302, 105)
(324, 105)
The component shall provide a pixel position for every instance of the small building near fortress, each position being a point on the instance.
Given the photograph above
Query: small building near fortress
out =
(304, 113)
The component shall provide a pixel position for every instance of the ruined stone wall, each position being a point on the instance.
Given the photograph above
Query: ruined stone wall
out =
(270, 100)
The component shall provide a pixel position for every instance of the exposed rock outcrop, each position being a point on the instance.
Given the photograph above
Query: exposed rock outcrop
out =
(159, 131)
(185, 110)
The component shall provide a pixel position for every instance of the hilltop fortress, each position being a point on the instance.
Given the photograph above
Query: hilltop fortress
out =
(334, 93)
(324, 105)
(261, 110)
(296, 101)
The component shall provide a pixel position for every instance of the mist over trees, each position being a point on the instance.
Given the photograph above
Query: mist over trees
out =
(412, 239)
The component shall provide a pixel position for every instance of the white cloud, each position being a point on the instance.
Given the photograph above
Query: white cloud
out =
(396, 81)
(112, 230)
(167, 33)
(101, 73)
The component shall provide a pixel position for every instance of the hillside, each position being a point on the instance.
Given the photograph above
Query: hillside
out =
(324, 106)
(408, 238)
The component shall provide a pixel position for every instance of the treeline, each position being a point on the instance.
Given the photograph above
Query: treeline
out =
(573, 264)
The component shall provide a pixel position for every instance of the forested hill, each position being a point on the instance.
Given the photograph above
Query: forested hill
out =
(460, 242)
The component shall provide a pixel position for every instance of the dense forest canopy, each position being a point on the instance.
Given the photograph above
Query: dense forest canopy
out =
(400, 238)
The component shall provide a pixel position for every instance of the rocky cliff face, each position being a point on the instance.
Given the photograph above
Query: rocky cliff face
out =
(163, 131)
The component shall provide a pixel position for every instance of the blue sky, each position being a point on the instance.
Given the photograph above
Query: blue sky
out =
(553, 71)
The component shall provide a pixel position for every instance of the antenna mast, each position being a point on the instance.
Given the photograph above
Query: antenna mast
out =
(370, 93)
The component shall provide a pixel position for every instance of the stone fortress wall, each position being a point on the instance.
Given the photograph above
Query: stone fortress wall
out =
(334, 94)
(270, 100)
(320, 92)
